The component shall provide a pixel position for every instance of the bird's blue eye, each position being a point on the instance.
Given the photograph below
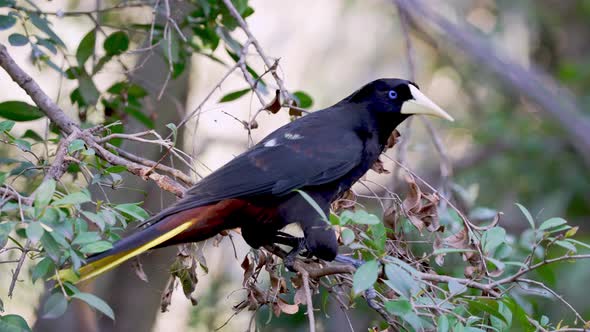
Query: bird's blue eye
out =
(392, 94)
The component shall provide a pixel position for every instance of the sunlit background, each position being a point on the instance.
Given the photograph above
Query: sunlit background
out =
(503, 147)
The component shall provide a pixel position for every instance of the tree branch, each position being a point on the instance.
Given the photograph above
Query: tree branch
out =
(42, 100)
(554, 101)
(69, 126)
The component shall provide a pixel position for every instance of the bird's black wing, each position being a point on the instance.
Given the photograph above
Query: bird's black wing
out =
(301, 154)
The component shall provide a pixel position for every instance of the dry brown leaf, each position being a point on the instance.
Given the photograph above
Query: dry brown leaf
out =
(438, 244)
(248, 270)
(393, 139)
(166, 299)
(138, 269)
(275, 105)
(281, 306)
(459, 240)
(347, 201)
(412, 201)
(390, 219)
(200, 257)
(253, 124)
(293, 111)
(472, 272)
(379, 168)
(300, 297)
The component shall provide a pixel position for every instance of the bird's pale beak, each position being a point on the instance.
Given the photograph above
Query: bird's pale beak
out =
(428, 107)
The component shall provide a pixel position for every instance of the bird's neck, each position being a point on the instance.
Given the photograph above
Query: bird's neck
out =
(385, 122)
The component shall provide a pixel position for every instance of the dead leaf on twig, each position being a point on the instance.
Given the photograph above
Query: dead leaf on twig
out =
(281, 306)
(346, 202)
(390, 220)
(300, 297)
(421, 208)
(138, 269)
(275, 104)
(379, 168)
(166, 299)
(393, 139)
(185, 269)
(294, 110)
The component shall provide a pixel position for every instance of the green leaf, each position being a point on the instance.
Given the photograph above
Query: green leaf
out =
(86, 237)
(544, 320)
(88, 90)
(521, 323)
(567, 245)
(313, 204)
(399, 307)
(17, 39)
(365, 276)
(399, 278)
(5, 229)
(133, 210)
(552, 223)
(96, 247)
(96, 303)
(485, 306)
(115, 169)
(44, 193)
(86, 48)
(442, 251)
(43, 269)
(443, 324)
(95, 219)
(174, 130)
(303, 99)
(22, 144)
(364, 218)
(35, 232)
(456, 288)
(140, 116)
(7, 22)
(32, 135)
(580, 243)
(3, 177)
(76, 145)
(19, 111)
(527, 214)
(55, 306)
(378, 236)
(43, 25)
(492, 238)
(73, 199)
(13, 323)
(49, 45)
(7, 3)
(116, 43)
(51, 247)
(347, 236)
(233, 95)
(6, 126)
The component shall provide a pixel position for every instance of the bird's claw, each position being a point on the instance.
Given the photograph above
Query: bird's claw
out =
(349, 260)
(289, 260)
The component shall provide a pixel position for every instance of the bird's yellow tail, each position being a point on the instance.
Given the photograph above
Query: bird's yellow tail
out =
(117, 257)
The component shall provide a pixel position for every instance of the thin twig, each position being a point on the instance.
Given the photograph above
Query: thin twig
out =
(310, 314)
(267, 62)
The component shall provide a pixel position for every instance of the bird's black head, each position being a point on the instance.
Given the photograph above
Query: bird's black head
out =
(389, 95)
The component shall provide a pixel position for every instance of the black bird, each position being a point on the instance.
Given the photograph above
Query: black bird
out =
(322, 154)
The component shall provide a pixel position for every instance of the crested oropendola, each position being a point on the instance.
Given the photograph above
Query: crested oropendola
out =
(323, 154)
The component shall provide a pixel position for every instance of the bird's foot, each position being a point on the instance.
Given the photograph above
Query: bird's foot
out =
(289, 260)
(371, 293)
(298, 245)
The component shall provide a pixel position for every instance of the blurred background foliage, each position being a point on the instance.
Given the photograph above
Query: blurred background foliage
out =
(503, 148)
